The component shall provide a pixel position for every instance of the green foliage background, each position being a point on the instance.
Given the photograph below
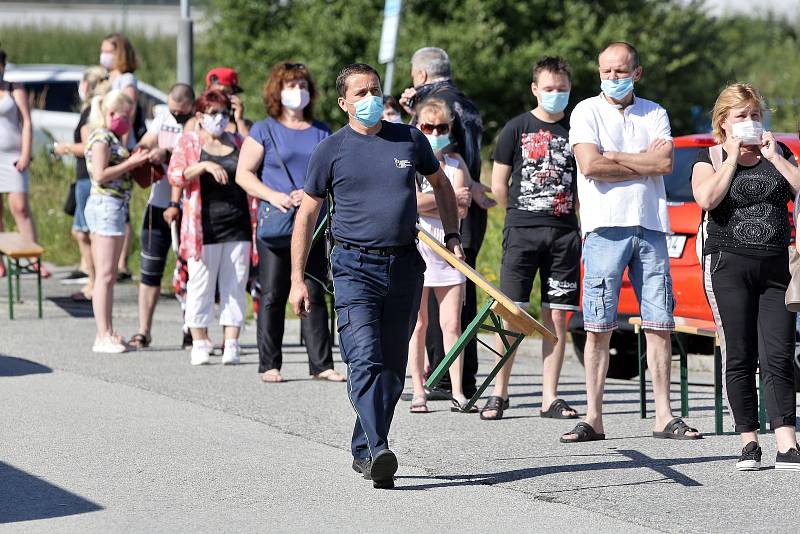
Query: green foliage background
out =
(688, 56)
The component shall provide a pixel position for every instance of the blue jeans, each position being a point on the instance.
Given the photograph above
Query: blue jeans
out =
(82, 188)
(377, 300)
(106, 215)
(606, 254)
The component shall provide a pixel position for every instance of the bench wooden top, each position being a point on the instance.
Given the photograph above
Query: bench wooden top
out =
(15, 246)
(517, 318)
(685, 325)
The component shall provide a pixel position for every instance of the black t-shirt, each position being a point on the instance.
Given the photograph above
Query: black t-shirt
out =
(81, 172)
(543, 183)
(752, 218)
(225, 213)
(373, 180)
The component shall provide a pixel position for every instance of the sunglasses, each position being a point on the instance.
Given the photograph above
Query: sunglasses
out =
(292, 66)
(440, 129)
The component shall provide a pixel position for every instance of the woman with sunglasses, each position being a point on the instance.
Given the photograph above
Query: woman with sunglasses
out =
(273, 168)
(435, 119)
(216, 229)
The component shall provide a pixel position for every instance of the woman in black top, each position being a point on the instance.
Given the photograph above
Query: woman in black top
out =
(93, 83)
(744, 185)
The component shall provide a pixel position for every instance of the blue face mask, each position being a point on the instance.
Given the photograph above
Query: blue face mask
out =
(617, 89)
(438, 142)
(554, 102)
(368, 110)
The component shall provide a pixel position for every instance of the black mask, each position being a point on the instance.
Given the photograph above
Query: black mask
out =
(182, 118)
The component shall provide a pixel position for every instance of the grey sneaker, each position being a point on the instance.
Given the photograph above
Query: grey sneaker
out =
(750, 460)
(362, 466)
(789, 460)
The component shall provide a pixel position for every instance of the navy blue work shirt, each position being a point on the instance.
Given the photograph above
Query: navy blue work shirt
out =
(372, 178)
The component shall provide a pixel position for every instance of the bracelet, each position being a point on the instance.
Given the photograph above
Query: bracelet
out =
(173, 204)
(448, 237)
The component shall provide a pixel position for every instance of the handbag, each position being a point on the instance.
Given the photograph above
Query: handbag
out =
(147, 174)
(792, 298)
(71, 204)
(274, 226)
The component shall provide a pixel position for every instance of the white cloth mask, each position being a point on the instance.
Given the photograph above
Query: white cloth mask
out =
(107, 60)
(215, 124)
(295, 98)
(749, 132)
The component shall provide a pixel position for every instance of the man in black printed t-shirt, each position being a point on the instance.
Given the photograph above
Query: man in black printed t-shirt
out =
(541, 228)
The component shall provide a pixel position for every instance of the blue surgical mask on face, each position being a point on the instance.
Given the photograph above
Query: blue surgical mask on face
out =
(368, 110)
(438, 142)
(554, 102)
(617, 89)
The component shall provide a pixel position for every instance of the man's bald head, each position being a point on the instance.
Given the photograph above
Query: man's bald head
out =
(182, 93)
(619, 47)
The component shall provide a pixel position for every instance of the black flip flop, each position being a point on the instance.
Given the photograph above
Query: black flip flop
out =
(494, 404)
(557, 409)
(583, 432)
(677, 429)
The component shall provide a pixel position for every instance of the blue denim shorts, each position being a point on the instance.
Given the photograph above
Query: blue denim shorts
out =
(82, 188)
(105, 215)
(606, 254)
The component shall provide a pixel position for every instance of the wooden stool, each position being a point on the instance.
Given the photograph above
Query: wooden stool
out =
(15, 247)
(695, 327)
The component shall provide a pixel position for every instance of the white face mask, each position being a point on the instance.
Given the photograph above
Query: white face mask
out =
(107, 60)
(393, 117)
(215, 124)
(749, 132)
(81, 92)
(295, 98)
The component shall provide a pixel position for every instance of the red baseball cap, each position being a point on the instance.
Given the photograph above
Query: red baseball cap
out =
(223, 76)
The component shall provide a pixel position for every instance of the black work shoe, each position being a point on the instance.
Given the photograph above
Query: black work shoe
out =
(438, 394)
(750, 460)
(789, 460)
(362, 466)
(383, 468)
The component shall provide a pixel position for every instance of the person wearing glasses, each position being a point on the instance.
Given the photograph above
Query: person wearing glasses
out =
(272, 167)
(445, 282)
(216, 228)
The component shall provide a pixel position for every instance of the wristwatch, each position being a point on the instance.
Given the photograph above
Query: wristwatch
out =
(173, 204)
(448, 237)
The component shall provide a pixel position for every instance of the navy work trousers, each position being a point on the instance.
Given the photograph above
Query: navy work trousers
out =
(377, 300)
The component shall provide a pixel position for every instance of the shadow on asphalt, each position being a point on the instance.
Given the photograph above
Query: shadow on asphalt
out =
(11, 366)
(629, 459)
(25, 497)
(79, 310)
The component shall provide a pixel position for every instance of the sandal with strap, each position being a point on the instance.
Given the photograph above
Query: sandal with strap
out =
(459, 404)
(677, 429)
(557, 409)
(419, 404)
(140, 341)
(583, 432)
(494, 404)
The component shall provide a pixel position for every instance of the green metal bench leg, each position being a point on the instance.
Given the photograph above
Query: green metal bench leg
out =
(762, 408)
(505, 357)
(470, 332)
(19, 291)
(642, 354)
(39, 284)
(684, 369)
(10, 275)
(717, 390)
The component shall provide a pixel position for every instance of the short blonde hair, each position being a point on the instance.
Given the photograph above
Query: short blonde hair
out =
(735, 95)
(102, 104)
(435, 104)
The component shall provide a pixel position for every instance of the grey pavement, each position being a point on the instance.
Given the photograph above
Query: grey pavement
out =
(144, 442)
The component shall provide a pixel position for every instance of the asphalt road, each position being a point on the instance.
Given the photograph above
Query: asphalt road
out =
(144, 442)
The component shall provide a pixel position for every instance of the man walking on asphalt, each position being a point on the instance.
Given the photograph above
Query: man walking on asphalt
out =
(623, 147)
(369, 168)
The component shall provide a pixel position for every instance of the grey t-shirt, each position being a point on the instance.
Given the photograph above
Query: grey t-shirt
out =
(372, 178)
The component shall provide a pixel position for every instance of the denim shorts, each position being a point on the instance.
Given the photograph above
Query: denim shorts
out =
(606, 254)
(105, 215)
(82, 188)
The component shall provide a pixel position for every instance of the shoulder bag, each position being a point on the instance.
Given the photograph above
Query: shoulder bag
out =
(274, 226)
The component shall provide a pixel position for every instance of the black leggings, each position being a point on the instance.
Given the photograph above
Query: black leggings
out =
(274, 276)
(156, 241)
(746, 295)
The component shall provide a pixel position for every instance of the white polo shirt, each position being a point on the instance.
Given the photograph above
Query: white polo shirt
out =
(637, 202)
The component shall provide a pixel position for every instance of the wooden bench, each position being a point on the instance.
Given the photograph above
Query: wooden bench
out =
(15, 248)
(696, 327)
(518, 323)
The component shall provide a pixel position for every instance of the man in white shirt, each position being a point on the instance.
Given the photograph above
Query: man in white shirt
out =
(623, 147)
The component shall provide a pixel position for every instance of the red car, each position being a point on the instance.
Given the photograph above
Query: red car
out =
(687, 277)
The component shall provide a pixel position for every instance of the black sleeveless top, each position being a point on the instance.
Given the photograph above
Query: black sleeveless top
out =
(225, 213)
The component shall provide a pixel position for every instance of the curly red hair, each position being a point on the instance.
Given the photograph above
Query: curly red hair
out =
(281, 73)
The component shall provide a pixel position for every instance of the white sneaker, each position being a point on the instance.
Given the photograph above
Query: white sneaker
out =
(230, 356)
(199, 352)
(108, 345)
